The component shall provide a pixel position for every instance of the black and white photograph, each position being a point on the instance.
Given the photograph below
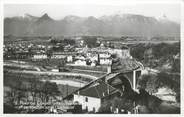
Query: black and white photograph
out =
(91, 58)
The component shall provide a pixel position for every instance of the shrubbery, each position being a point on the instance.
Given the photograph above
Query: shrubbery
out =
(161, 53)
(152, 82)
(22, 89)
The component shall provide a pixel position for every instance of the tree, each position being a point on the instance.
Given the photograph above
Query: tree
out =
(34, 88)
(90, 41)
(50, 90)
(69, 41)
(120, 102)
(170, 81)
(142, 82)
(138, 52)
(176, 66)
(105, 107)
(49, 53)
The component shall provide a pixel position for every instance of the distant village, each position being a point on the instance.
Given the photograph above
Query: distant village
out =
(78, 54)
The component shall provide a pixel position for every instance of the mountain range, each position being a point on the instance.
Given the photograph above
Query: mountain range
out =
(107, 25)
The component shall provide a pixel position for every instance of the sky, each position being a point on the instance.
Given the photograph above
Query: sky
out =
(58, 11)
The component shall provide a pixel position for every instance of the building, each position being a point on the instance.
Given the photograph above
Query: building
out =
(90, 95)
(55, 70)
(79, 41)
(94, 63)
(22, 55)
(105, 58)
(39, 56)
(105, 54)
(105, 61)
(69, 58)
(92, 56)
(80, 62)
(57, 55)
(80, 57)
(121, 53)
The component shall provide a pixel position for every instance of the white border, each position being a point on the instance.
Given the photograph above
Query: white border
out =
(182, 57)
(99, 2)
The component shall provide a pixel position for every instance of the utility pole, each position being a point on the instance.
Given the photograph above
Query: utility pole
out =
(67, 89)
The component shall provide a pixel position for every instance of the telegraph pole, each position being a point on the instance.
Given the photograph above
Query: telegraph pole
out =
(67, 89)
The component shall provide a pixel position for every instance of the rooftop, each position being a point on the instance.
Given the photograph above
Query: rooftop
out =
(96, 88)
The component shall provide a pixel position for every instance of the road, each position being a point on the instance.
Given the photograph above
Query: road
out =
(38, 71)
(55, 73)
(68, 82)
(155, 71)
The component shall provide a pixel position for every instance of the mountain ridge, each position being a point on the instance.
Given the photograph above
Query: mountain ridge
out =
(108, 25)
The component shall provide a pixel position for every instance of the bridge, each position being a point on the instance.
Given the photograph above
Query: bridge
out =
(123, 80)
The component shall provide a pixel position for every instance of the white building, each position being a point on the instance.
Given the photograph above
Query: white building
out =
(105, 58)
(69, 58)
(88, 103)
(121, 53)
(93, 64)
(105, 61)
(55, 70)
(92, 56)
(104, 55)
(80, 62)
(90, 96)
(57, 55)
(39, 56)
(80, 58)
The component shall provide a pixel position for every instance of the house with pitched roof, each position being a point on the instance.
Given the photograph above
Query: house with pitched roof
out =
(90, 95)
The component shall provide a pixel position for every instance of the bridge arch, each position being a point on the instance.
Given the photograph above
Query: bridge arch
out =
(128, 79)
(120, 81)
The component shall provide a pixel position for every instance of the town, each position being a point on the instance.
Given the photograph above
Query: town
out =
(77, 74)
(69, 52)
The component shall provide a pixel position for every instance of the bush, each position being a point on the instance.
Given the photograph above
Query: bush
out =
(142, 82)
(170, 80)
(138, 52)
